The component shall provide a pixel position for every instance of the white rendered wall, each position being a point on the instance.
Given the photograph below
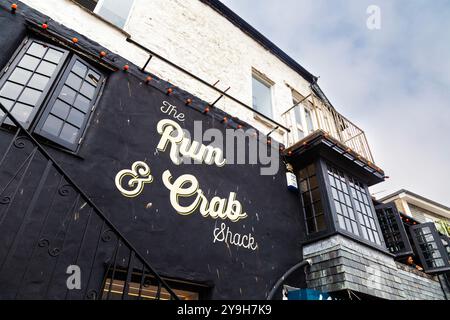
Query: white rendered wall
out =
(196, 37)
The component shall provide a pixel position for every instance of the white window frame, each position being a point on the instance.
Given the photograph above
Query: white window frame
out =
(100, 4)
(303, 125)
(270, 84)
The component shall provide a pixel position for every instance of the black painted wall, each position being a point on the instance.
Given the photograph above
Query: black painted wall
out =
(122, 131)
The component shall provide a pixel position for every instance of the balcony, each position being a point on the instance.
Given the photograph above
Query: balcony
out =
(324, 117)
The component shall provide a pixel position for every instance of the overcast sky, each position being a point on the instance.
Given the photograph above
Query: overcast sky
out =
(394, 82)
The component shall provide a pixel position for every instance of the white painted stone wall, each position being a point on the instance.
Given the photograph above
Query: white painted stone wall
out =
(195, 37)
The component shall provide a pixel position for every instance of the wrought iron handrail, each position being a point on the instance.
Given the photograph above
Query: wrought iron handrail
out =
(125, 266)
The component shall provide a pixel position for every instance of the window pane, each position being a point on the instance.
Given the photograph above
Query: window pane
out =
(69, 133)
(262, 98)
(309, 122)
(82, 103)
(76, 118)
(298, 116)
(308, 212)
(46, 68)
(74, 81)
(79, 68)
(61, 109)
(311, 225)
(53, 56)
(11, 90)
(29, 62)
(115, 11)
(21, 112)
(315, 195)
(313, 182)
(67, 95)
(20, 75)
(6, 103)
(320, 220)
(318, 208)
(38, 82)
(53, 125)
(30, 96)
(36, 49)
(87, 90)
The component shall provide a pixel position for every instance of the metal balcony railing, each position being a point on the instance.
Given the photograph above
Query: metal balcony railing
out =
(327, 119)
(48, 225)
(343, 130)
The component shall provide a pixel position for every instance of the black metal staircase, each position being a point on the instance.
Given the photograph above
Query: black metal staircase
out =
(48, 224)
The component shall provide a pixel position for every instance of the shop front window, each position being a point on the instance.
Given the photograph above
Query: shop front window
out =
(146, 287)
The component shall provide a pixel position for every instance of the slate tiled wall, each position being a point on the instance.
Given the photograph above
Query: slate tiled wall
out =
(339, 263)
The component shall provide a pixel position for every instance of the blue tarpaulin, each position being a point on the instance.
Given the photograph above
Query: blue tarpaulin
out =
(307, 294)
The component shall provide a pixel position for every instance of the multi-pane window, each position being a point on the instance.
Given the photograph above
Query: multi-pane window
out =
(430, 247)
(262, 96)
(342, 202)
(114, 11)
(28, 80)
(312, 204)
(393, 230)
(364, 210)
(71, 104)
(57, 110)
(354, 211)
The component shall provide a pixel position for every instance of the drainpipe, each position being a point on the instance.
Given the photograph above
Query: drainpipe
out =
(286, 275)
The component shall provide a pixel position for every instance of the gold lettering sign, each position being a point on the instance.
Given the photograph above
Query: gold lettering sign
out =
(171, 133)
(187, 186)
(139, 176)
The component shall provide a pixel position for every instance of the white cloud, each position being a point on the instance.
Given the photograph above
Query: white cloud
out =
(394, 83)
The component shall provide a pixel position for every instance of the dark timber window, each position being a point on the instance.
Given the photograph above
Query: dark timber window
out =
(393, 230)
(51, 91)
(312, 205)
(353, 206)
(70, 105)
(28, 80)
(430, 248)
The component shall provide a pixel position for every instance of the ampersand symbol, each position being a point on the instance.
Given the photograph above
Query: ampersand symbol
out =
(140, 176)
